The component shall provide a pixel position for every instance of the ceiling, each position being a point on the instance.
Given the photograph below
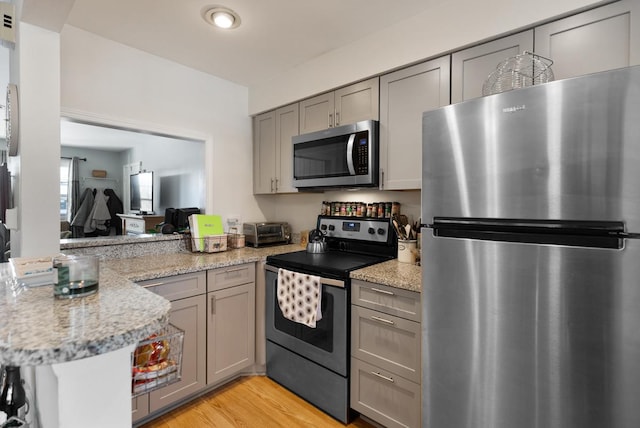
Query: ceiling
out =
(274, 36)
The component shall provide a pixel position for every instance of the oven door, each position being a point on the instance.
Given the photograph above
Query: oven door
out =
(327, 344)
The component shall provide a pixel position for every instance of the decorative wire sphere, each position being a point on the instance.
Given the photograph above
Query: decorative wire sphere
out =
(520, 71)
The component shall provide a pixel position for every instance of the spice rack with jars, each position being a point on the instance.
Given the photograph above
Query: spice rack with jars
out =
(361, 209)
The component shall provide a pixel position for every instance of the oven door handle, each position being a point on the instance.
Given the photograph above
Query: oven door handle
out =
(325, 281)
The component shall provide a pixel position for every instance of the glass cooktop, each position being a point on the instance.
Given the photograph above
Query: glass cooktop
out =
(332, 264)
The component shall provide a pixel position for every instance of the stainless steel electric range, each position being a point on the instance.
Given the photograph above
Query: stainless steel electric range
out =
(314, 362)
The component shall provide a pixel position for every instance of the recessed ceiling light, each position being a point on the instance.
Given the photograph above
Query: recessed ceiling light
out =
(221, 17)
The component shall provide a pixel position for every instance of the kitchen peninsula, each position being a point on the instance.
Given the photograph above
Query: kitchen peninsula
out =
(81, 348)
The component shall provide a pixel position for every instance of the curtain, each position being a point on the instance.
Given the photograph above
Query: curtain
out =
(73, 193)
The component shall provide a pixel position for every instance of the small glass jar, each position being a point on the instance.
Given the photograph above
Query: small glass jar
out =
(75, 276)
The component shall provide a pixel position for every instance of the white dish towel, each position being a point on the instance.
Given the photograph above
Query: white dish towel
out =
(300, 297)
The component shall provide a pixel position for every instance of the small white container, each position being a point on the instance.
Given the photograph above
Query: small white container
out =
(407, 250)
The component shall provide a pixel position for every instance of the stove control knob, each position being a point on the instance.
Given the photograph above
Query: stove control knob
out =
(332, 227)
(323, 227)
(371, 231)
(380, 231)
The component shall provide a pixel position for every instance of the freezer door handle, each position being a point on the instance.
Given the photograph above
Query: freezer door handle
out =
(594, 234)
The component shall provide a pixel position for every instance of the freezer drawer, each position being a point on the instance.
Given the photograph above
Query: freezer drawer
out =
(530, 336)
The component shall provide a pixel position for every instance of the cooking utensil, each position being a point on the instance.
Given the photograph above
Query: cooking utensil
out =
(316, 243)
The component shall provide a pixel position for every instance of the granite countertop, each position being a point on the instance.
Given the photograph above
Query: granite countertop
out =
(163, 265)
(392, 273)
(102, 241)
(36, 329)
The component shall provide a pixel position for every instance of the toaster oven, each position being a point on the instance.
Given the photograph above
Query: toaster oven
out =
(266, 233)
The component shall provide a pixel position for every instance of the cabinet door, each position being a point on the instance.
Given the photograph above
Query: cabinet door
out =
(471, 67)
(139, 407)
(596, 40)
(287, 124)
(189, 315)
(357, 102)
(384, 397)
(231, 332)
(264, 153)
(404, 96)
(317, 113)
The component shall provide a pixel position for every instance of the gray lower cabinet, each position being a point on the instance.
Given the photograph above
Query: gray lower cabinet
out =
(187, 294)
(231, 325)
(386, 354)
(600, 39)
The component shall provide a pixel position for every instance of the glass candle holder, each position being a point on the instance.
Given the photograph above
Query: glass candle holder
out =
(75, 276)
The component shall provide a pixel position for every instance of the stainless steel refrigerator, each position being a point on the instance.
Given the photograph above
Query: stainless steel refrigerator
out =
(531, 257)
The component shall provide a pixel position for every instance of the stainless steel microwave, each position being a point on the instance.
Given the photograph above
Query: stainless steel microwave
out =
(344, 156)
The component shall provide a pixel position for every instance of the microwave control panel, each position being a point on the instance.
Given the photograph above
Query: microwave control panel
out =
(362, 153)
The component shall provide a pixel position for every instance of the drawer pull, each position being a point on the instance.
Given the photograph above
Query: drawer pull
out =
(153, 284)
(377, 290)
(388, 379)
(375, 318)
(213, 305)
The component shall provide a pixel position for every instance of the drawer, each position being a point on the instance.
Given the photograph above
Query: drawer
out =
(390, 342)
(394, 301)
(179, 286)
(384, 397)
(218, 279)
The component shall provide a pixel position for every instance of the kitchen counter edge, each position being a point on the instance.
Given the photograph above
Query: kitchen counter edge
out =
(392, 273)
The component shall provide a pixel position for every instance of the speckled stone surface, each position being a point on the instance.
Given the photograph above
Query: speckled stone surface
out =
(36, 329)
(163, 265)
(125, 246)
(392, 273)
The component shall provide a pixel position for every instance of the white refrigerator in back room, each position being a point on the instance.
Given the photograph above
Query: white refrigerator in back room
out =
(531, 257)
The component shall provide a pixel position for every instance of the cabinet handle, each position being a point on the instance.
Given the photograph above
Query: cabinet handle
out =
(276, 184)
(381, 178)
(153, 284)
(330, 120)
(213, 305)
(337, 118)
(375, 318)
(388, 379)
(377, 290)
(272, 185)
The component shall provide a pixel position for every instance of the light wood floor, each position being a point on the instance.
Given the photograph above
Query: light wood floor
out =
(254, 401)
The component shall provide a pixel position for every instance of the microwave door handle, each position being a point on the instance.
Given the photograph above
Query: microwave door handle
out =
(352, 170)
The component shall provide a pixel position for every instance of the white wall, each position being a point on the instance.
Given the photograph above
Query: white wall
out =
(106, 81)
(109, 161)
(35, 68)
(447, 26)
(178, 171)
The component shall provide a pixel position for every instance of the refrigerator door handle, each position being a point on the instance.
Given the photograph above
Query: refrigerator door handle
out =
(574, 233)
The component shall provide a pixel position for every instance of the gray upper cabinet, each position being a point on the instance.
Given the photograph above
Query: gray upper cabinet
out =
(471, 67)
(346, 105)
(596, 40)
(404, 95)
(264, 152)
(272, 150)
(286, 127)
